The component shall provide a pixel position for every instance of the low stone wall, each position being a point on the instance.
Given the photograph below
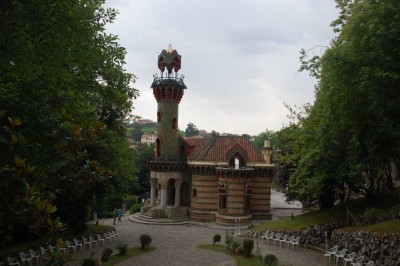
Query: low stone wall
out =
(382, 249)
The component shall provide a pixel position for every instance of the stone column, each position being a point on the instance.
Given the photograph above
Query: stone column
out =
(164, 196)
(153, 196)
(178, 184)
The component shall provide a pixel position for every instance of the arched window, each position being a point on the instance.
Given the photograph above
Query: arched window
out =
(159, 116)
(194, 193)
(222, 196)
(237, 161)
(174, 123)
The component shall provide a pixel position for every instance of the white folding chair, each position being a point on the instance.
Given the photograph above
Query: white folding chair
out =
(52, 248)
(100, 240)
(270, 237)
(44, 255)
(25, 258)
(78, 243)
(69, 246)
(12, 261)
(35, 255)
(107, 236)
(340, 254)
(358, 261)
(349, 258)
(277, 237)
(295, 242)
(115, 233)
(93, 241)
(283, 239)
(264, 236)
(331, 252)
(289, 240)
(86, 242)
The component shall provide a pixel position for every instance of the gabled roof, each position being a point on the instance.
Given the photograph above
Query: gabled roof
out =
(222, 147)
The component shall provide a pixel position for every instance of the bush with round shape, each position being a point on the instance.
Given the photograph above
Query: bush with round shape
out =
(216, 238)
(145, 241)
(270, 260)
(122, 248)
(106, 254)
(248, 245)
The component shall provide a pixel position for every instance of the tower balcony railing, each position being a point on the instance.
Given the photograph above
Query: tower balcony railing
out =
(167, 78)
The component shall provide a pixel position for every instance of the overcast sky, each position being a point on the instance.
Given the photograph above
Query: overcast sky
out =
(240, 58)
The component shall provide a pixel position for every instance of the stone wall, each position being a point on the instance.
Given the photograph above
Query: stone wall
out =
(382, 249)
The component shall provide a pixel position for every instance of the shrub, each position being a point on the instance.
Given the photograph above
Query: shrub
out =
(89, 262)
(248, 245)
(106, 254)
(234, 246)
(122, 248)
(130, 200)
(372, 216)
(135, 208)
(251, 226)
(145, 241)
(216, 238)
(106, 214)
(228, 239)
(270, 260)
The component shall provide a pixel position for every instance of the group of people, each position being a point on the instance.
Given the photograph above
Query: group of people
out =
(118, 212)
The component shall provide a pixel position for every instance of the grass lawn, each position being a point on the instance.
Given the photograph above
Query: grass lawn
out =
(388, 227)
(67, 234)
(132, 252)
(240, 259)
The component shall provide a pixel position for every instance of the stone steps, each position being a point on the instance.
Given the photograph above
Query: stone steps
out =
(178, 217)
(138, 218)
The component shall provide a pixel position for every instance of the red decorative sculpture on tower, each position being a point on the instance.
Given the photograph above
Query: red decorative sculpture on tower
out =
(169, 59)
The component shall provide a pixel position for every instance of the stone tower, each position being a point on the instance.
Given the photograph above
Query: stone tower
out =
(168, 166)
(168, 91)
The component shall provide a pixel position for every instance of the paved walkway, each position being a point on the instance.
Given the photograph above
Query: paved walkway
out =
(177, 245)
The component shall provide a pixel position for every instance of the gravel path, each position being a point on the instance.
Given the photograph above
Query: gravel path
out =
(177, 245)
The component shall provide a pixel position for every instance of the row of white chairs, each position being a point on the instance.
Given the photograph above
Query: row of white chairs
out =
(347, 258)
(280, 238)
(44, 254)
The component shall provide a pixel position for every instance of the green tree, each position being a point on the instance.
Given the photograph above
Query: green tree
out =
(351, 134)
(142, 154)
(191, 130)
(267, 135)
(62, 76)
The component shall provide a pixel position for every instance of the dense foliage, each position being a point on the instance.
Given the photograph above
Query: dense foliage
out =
(65, 100)
(348, 140)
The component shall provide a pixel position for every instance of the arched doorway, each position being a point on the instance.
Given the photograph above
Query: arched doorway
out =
(171, 192)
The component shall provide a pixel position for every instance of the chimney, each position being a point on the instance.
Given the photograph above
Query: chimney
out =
(267, 151)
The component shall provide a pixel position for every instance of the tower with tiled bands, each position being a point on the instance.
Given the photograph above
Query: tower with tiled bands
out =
(170, 183)
(168, 91)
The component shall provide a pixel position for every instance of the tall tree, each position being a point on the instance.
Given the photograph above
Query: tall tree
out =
(62, 77)
(352, 133)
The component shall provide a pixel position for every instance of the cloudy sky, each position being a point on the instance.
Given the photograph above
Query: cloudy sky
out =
(240, 58)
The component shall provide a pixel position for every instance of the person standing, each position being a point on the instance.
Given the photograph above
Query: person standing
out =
(119, 214)
(115, 215)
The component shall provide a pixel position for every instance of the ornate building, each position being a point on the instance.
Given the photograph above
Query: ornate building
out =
(221, 179)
